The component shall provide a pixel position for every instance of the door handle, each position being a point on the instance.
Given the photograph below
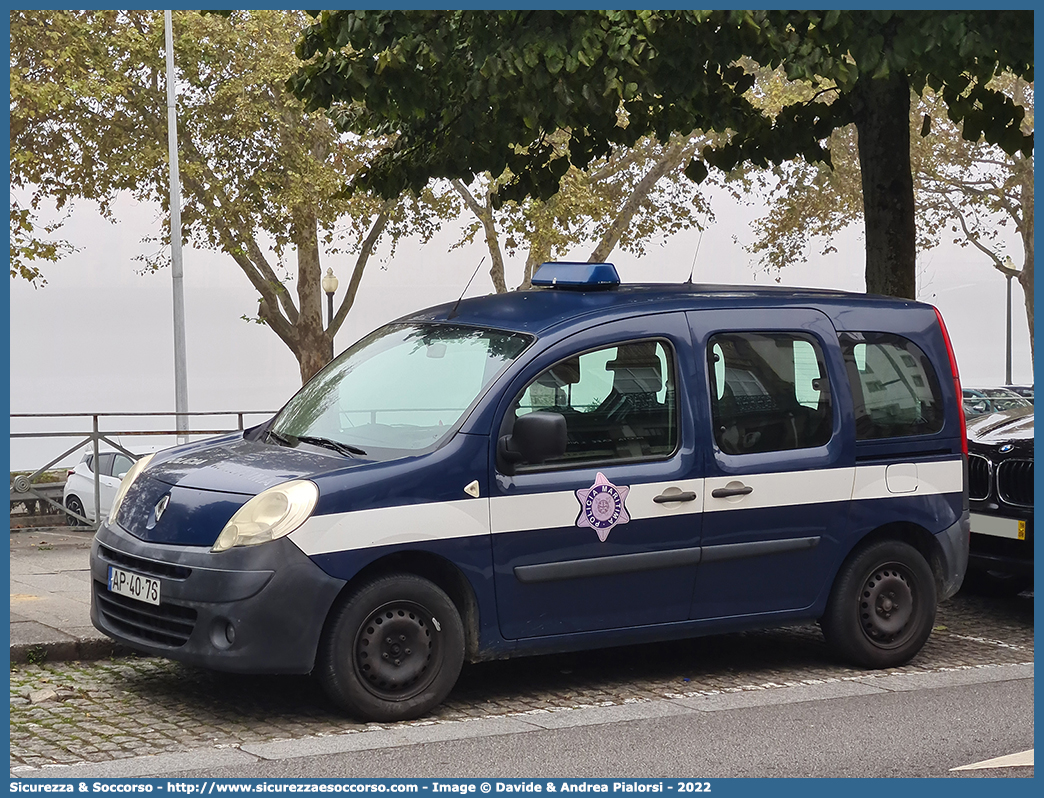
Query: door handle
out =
(664, 498)
(724, 493)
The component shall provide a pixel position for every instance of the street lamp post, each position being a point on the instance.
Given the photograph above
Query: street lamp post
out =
(176, 268)
(330, 288)
(1007, 337)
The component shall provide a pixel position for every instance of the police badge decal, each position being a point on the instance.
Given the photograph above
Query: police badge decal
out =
(602, 506)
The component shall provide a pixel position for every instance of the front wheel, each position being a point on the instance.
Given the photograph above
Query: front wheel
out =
(392, 649)
(882, 605)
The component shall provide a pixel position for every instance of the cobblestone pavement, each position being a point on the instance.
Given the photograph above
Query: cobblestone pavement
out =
(65, 713)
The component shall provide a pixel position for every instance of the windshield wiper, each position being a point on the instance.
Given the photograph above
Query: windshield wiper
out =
(337, 446)
(280, 438)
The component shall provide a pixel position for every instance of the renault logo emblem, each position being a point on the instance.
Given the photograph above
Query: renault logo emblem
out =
(161, 505)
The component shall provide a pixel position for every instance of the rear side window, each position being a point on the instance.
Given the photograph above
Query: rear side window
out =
(105, 461)
(894, 387)
(769, 392)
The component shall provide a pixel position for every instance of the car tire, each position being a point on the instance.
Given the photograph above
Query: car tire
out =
(882, 606)
(392, 649)
(73, 504)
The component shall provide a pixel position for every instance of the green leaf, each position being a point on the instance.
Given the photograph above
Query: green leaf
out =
(696, 171)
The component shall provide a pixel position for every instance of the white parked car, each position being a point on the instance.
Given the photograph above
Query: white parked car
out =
(78, 495)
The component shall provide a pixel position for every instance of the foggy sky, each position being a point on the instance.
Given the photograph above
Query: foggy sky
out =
(99, 337)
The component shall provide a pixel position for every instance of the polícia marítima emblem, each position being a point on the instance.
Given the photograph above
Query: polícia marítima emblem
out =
(602, 506)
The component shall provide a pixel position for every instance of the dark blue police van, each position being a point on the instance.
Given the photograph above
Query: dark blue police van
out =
(579, 465)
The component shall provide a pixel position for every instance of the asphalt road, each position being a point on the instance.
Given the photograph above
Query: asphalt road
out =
(896, 726)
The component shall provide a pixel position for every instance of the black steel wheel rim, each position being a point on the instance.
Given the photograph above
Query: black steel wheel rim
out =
(887, 605)
(397, 651)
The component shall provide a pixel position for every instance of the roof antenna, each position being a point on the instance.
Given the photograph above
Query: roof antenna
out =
(696, 253)
(453, 312)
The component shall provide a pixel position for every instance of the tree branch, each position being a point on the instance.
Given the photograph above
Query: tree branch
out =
(366, 250)
(264, 272)
(270, 290)
(671, 159)
(485, 215)
(973, 239)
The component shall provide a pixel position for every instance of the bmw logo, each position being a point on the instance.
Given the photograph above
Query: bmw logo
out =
(1006, 448)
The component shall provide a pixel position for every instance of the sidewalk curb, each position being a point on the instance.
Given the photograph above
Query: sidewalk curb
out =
(85, 649)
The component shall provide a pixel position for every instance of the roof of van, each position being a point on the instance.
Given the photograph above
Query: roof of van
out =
(540, 310)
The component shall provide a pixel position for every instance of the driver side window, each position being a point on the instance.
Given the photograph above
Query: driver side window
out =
(618, 402)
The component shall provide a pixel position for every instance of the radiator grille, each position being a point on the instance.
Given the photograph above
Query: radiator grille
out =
(978, 477)
(166, 624)
(1015, 482)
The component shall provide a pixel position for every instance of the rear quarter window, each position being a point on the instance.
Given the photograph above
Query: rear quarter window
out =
(894, 386)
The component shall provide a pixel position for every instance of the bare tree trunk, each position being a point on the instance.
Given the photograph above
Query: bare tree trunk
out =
(1024, 167)
(538, 253)
(365, 251)
(314, 346)
(1026, 281)
(881, 109)
(611, 236)
(484, 212)
(1024, 172)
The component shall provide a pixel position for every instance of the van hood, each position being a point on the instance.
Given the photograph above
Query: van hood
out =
(242, 466)
(206, 483)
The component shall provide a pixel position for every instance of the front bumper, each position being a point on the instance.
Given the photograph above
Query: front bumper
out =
(257, 609)
(1002, 544)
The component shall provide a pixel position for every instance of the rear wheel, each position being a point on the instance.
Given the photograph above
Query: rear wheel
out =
(392, 649)
(73, 504)
(882, 605)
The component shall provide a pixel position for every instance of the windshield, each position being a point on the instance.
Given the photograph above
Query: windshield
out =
(401, 387)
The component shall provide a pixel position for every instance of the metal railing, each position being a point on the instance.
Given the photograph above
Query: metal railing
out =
(25, 487)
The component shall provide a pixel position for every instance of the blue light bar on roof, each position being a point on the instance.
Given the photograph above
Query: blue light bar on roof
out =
(576, 276)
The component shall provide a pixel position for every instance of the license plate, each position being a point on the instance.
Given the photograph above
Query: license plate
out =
(998, 527)
(135, 586)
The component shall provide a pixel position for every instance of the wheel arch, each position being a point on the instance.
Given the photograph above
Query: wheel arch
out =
(437, 570)
(912, 534)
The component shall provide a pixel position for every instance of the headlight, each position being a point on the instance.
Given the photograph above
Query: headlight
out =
(128, 480)
(269, 515)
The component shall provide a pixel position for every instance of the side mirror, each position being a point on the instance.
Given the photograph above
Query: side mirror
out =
(534, 438)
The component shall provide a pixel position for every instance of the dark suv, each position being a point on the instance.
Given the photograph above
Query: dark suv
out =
(1000, 470)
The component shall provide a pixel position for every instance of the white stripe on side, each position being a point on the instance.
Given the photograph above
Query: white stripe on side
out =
(561, 508)
(419, 523)
(781, 489)
(926, 479)
(387, 526)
